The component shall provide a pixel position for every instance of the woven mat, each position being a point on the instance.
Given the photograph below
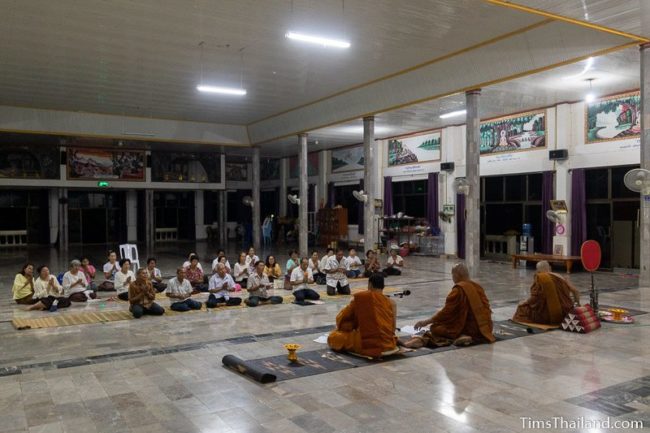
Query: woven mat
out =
(541, 326)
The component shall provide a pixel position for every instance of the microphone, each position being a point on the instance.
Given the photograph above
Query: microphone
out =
(400, 294)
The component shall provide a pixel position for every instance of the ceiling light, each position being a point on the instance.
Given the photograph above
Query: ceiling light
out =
(590, 97)
(221, 90)
(318, 40)
(453, 114)
(588, 65)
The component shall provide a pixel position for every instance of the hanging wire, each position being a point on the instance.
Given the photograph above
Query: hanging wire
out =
(201, 60)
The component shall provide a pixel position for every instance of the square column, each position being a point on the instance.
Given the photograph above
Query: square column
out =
(284, 177)
(370, 175)
(257, 229)
(223, 239)
(132, 216)
(472, 203)
(644, 223)
(303, 246)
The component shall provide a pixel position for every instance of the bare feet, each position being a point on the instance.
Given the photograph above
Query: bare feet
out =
(37, 306)
(463, 340)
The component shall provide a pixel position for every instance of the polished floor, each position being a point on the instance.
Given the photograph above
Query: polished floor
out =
(164, 374)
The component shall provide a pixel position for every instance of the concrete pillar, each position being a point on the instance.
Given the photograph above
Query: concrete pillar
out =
(63, 219)
(304, 198)
(644, 223)
(284, 178)
(472, 203)
(223, 237)
(150, 217)
(132, 216)
(321, 186)
(563, 124)
(370, 173)
(199, 216)
(257, 220)
(53, 204)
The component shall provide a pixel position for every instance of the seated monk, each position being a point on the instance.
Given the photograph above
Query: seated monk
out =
(551, 298)
(366, 326)
(464, 319)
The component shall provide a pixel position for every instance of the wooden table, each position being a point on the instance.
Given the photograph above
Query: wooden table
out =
(567, 260)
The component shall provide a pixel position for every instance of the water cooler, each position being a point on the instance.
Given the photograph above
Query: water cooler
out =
(526, 241)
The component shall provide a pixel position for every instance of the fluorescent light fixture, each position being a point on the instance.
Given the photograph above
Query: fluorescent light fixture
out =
(221, 90)
(359, 129)
(590, 98)
(318, 40)
(588, 65)
(453, 114)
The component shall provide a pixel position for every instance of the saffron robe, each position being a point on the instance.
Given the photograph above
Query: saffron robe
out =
(549, 302)
(365, 326)
(466, 312)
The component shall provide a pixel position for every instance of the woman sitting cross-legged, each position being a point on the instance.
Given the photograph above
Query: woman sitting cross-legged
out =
(48, 292)
(194, 273)
(142, 296)
(300, 278)
(240, 273)
(258, 284)
(90, 272)
(123, 278)
(23, 288)
(179, 290)
(272, 269)
(75, 284)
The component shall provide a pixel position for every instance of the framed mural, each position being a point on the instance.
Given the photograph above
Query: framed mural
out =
(270, 169)
(614, 117)
(523, 131)
(410, 150)
(29, 162)
(94, 164)
(185, 167)
(347, 159)
(237, 172)
(312, 165)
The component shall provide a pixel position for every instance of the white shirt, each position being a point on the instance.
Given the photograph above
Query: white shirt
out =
(323, 262)
(215, 262)
(398, 260)
(121, 285)
(156, 273)
(241, 272)
(262, 282)
(353, 263)
(108, 267)
(299, 275)
(250, 262)
(187, 265)
(216, 282)
(313, 267)
(42, 288)
(174, 287)
(69, 280)
(337, 277)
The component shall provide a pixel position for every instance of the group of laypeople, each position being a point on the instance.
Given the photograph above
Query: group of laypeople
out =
(367, 325)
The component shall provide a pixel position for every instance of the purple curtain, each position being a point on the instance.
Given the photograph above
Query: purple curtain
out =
(331, 195)
(578, 210)
(460, 225)
(388, 195)
(432, 203)
(547, 226)
(360, 207)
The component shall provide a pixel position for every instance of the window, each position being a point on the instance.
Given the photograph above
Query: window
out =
(411, 198)
(237, 212)
(345, 198)
(494, 188)
(597, 183)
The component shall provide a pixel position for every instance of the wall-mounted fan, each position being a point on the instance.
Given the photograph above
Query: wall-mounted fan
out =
(247, 201)
(293, 198)
(360, 195)
(461, 186)
(638, 180)
(554, 217)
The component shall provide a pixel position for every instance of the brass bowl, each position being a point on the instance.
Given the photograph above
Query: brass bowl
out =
(292, 348)
(618, 313)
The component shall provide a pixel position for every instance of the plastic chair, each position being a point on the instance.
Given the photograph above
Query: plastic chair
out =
(267, 232)
(130, 251)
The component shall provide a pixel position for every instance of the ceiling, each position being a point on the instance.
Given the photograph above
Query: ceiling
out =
(142, 58)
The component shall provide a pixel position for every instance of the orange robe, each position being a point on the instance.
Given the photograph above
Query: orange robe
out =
(365, 326)
(466, 312)
(549, 302)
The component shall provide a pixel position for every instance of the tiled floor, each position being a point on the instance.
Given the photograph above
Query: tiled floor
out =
(165, 375)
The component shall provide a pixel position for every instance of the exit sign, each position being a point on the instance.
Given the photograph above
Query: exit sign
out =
(103, 184)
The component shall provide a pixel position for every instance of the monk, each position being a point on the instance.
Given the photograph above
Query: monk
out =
(465, 318)
(551, 298)
(366, 326)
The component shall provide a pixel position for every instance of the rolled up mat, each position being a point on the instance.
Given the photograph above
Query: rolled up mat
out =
(246, 369)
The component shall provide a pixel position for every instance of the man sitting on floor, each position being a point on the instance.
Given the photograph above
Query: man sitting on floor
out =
(366, 326)
(354, 264)
(258, 284)
(551, 298)
(301, 277)
(179, 290)
(395, 262)
(464, 319)
(220, 286)
(155, 276)
(142, 296)
(336, 270)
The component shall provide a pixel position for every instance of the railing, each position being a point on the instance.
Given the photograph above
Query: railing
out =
(500, 247)
(166, 234)
(13, 238)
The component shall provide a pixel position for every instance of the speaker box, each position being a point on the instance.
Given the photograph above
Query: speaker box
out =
(558, 154)
(447, 166)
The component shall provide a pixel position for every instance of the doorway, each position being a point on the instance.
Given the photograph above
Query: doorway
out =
(97, 217)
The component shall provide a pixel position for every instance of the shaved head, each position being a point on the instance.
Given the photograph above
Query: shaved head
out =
(543, 266)
(459, 272)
